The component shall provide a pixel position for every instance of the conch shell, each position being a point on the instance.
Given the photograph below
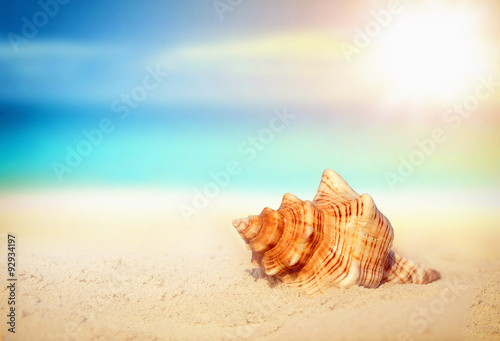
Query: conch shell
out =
(339, 239)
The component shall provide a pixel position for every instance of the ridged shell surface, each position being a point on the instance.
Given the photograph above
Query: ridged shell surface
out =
(339, 239)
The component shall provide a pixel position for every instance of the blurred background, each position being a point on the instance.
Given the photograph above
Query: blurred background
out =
(401, 98)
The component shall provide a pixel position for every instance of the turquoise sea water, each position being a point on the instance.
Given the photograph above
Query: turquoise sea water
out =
(183, 147)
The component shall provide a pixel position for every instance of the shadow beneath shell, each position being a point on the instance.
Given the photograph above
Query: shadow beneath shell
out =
(259, 273)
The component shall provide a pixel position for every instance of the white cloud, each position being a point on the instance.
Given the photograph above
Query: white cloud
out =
(37, 49)
(288, 68)
(66, 70)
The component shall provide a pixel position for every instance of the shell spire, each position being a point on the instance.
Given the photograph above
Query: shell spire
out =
(339, 239)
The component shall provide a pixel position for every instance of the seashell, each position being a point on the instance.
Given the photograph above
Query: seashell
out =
(339, 239)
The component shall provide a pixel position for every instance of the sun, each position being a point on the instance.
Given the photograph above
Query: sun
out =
(430, 53)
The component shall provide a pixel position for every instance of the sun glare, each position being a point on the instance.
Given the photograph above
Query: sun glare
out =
(432, 53)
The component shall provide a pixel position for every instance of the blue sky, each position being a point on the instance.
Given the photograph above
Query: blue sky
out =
(261, 51)
(97, 49)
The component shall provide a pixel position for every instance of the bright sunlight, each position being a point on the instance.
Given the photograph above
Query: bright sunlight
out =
(430, 53)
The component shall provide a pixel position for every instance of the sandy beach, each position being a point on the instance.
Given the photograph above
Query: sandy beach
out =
(124, 265)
